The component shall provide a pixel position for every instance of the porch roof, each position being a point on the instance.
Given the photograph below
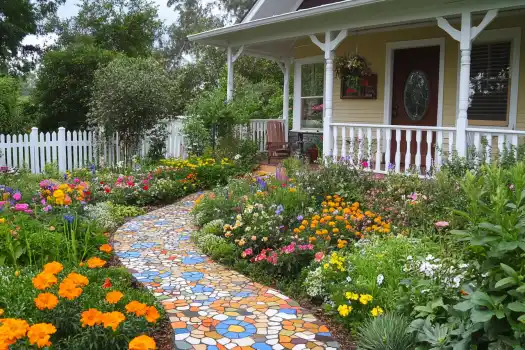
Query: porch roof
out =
(274, 36)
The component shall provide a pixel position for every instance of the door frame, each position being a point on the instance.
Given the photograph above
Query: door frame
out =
(389, 73)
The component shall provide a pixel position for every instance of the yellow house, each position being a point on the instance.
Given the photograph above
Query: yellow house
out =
(393, 84)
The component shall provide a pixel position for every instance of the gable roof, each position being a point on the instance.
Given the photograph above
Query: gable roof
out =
(270, 8)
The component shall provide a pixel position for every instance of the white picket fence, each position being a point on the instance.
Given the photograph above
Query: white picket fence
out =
(74, 149)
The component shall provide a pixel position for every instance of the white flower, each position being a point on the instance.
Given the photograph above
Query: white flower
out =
(410, 258)
(380, 278)
(429, 257)
(349, 279)
(237, 157)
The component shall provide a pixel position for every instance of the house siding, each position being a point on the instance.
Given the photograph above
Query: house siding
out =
(372, 46)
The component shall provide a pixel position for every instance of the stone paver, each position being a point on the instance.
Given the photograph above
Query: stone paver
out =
(211, 307)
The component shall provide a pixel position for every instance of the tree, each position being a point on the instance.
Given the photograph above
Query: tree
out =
(20, 18)
(130, 96)
(128, 26)
(237, 8)
(13, 108)
(63, 88)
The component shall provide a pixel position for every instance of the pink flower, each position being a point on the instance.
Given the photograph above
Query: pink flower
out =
(364, 164)
(441, 224)
(21, 207)
(272, 258)
(289, 248)
(76, 180)
(413, 196)
(28, 211)
(247, 252)
(306, 247)
(319, 256)
(2, 203)
(17, 196)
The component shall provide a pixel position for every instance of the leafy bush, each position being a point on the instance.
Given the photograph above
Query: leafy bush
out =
(387, 332)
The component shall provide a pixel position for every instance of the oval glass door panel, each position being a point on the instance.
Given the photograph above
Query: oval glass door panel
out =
(416, 95)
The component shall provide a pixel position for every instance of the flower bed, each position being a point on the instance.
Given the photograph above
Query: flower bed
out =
(57, 289)
(378, 254)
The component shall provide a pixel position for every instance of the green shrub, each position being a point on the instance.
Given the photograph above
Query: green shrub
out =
(214, 227)
(387, 332)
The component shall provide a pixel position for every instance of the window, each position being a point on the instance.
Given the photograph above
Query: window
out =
(490, 83)
(312, 81)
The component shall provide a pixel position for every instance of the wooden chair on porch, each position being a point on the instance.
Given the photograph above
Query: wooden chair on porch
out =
(276, 143)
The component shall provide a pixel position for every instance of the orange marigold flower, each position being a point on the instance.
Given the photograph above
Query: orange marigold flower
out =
(44, 280)
(46, 301)
(142, 342)
(1, 312)
(12, 329)
(106, 248)
(95, 262)
(53, 268)
(40, 334)
(114, 297)
(69, 290)
(113, 319)
(152, 315)
(78, 279)
(136, 308)
(91, 317)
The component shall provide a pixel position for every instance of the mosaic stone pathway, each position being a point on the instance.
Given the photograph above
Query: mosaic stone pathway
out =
(209, 306)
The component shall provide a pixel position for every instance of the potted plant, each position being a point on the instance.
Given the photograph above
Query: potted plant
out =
(351, 65)
(316, 149)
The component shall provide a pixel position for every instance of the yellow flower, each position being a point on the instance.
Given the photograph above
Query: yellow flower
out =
(142, 342)
(293, 189)
(95, 262)
(53, 268)
(44, 280)
(17, 273)
(2, 220)
(152, 315)
(40, 334)
(365, 298)
(344, 310)
(377, 311)
(91, 317)
(136, 308)
(1, 312)
(351, 296)
(106, 248)
(46, 301)
(112, 319)
(114, 297)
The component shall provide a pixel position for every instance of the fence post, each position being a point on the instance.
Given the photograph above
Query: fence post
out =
(33, 146)
(62, 165)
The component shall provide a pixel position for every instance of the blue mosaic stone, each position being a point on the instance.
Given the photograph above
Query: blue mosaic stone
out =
(192, 260)
(192, 276)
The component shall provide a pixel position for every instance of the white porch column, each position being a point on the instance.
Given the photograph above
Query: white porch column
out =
(329, 46)
(465, 37)
(286, 95)
(231, 58)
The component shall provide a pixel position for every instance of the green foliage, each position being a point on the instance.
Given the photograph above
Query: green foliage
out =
(244, 152)
(128, 26)
(388, 332)
(64, 86)
(130, 96)
(9, 92)
(197, 136)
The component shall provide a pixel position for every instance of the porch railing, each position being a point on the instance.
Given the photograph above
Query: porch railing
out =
(490, 144)
(384, 148)
(257, 131)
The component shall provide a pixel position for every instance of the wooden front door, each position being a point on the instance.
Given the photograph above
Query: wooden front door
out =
(415, 96)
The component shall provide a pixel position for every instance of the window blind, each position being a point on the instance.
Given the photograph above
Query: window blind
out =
(489, 81)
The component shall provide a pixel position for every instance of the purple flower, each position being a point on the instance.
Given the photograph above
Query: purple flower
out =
(300, 218)
(262, 184)
(279, 209)
(47, 208)
(17, 196)
(93, 169)
(69, 218)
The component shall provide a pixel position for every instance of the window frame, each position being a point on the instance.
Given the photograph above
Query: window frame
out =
(298, 95)
(495, 36)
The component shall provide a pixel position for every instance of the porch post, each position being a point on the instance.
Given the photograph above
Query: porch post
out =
(231, 58)
(286, 96)
(229, 86)
(465, 37)
(329, 46)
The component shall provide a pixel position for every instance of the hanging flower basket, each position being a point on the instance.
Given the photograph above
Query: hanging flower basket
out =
(351, 65)
(357, 80)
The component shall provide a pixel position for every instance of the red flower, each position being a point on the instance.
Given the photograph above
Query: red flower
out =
(350, 91)
(107, 283)
(101, 182)
(107, 189)
(145, 188)
(283, 185)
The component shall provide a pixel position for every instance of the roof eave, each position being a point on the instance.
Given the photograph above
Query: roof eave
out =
(277, 19)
